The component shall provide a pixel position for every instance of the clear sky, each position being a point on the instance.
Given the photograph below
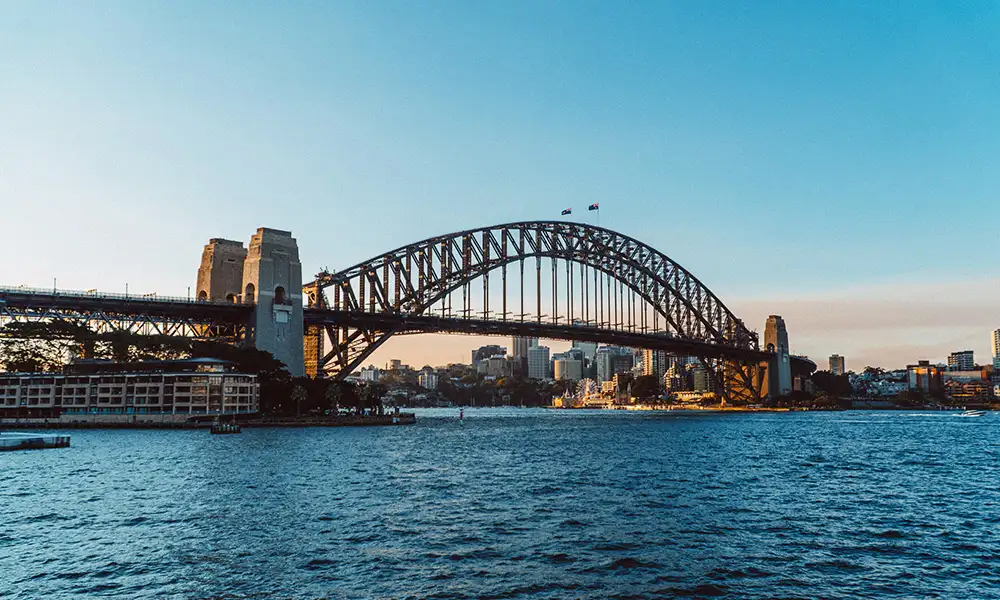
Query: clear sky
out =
(833, 162)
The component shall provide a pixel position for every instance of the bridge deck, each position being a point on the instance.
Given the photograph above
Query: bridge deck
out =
(411, 324)
(24, 299)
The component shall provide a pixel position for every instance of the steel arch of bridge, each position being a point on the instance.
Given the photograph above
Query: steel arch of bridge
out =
(399, 292)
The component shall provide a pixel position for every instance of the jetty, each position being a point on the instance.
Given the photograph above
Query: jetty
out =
(31, 441)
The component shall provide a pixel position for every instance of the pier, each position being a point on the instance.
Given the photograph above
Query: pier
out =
(204, 422)
(32, 441)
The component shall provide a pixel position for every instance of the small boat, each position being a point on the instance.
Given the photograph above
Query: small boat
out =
(221, 428)
(973, 413)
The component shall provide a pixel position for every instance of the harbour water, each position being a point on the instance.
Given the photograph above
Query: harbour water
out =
(515, 503)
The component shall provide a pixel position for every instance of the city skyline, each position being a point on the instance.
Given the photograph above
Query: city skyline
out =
(844, 130)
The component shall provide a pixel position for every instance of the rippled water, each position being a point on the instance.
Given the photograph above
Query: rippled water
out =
(515, 504)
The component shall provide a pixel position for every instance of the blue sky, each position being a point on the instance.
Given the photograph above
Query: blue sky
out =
(790, 154)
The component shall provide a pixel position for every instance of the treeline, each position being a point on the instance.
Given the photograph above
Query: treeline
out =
(48, 347)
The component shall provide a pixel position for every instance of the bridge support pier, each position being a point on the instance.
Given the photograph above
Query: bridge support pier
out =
(738, 382)
(272, 275)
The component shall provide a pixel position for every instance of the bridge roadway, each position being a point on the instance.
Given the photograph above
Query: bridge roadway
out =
(401, 324)
(145, 314)
(168, 315)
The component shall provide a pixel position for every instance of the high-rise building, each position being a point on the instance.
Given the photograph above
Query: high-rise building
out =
(996, 349)
(612, 360)
(961, 361)
(837, 364)
(428, 380)
(567, 369)
(538, 362)
(776, 340)
(655, 362)
(589, 349)
(371, 373)
(497, 366)
(923, 377)
(519, 353)
(702, 380)
(519, 346)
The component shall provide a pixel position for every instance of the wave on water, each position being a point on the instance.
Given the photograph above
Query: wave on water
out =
(517, 504)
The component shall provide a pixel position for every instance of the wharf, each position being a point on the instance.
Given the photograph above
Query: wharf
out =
(346, 421)
(31, 441)
(205, 422)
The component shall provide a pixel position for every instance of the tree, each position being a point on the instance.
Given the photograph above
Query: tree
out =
(299, 396)
(833, 385)
(911, 398)
(646, 386)
(40, 346)
(371, 397)
(333, 397)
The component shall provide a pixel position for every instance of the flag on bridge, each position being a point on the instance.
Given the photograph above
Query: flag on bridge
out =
(593, 207)
(567, 211)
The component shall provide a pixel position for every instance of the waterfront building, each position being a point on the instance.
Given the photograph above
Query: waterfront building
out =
(198, 386)
(538, 362)
(837, 364)
(923, 377)
(961, 361)
(968, 386)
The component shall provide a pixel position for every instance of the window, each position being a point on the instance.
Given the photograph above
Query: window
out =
(279, 295)
(248, 295)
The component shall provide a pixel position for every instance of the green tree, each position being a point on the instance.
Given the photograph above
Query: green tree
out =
(911, 398)
(833, 385)
(333, 396)
(299, 396)
(646, 386)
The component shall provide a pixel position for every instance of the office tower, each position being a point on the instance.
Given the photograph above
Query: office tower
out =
(837, 364)
(538, 362)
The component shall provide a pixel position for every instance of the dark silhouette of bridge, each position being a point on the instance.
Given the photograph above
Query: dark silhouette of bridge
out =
(547, 279)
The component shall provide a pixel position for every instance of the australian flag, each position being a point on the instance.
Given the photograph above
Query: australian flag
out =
(593, 207)
(567, 211)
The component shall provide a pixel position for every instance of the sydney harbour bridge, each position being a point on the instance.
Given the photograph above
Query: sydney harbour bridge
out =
(546, 279)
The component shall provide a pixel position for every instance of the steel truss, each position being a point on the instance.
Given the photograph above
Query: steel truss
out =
(612, 284)
(204, 321)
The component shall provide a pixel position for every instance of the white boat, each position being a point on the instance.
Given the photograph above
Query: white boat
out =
(973, 413)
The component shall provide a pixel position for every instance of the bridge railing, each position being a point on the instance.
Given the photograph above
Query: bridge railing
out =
(153, 297)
